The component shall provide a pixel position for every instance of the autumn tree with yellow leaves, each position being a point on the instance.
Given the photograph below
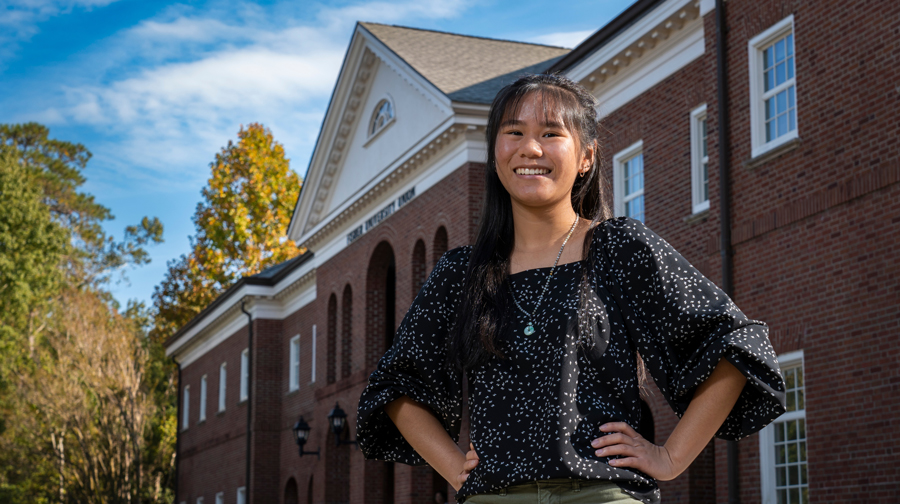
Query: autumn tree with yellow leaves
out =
(241, 228)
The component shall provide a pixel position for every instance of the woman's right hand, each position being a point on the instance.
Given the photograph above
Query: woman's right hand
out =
(470, 463)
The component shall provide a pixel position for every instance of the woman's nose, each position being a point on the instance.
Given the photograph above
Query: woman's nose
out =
(531, 148)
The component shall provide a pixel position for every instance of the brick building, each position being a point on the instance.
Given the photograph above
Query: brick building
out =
(806, 93)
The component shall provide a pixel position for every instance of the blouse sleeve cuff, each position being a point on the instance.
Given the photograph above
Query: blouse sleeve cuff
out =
(376, 433)
(763, 398)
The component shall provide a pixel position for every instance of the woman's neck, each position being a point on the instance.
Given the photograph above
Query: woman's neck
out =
(539, 234)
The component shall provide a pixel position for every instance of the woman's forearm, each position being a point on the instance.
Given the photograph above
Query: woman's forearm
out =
(708, 409)
(427, 436)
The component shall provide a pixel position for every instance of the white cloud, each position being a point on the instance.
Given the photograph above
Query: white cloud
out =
(183, 84)
(563, 39)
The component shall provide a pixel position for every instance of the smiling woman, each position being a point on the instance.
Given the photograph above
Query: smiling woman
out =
(554, 339)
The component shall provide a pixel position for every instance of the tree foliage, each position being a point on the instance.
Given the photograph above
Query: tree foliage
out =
(86, 398)
(57, 168)
(241, 227)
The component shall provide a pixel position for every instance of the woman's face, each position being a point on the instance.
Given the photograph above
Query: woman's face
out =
(537, 157)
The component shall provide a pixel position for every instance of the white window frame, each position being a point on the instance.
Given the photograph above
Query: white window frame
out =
(204, 381)
(698, 116)
(767, 435)
(220, 498)
(313, 366)
(245, 374)
(757, 102)
(223, 383)
(241, 495)
(199, 500)
(186, 407)
(371, 131)
(294, 364)
(619, 160)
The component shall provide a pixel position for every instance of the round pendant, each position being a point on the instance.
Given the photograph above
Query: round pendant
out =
(529, 329)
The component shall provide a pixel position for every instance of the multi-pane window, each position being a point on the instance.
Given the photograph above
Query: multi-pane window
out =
(245, 374)
(785, 479)
(629, 181)
(383, 115)
(773, 87)
(294, 368)
(778, 92)
(185, 407)
(223, 380)
(203, 383)
(699, 160)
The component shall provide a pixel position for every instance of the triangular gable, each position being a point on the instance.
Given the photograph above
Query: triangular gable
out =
(346, 111)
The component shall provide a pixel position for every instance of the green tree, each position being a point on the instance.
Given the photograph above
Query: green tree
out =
(241, 228)
(86, 398)
(31, 248)
(57, 166)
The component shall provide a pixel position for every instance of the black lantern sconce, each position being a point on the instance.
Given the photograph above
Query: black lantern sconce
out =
(338, 419)
(301, 436)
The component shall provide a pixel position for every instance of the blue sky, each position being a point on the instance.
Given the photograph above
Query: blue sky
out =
(155, 88)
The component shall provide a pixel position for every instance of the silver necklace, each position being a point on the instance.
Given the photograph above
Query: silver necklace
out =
(529, 329)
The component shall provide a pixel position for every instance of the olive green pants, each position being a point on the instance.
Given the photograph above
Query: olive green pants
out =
(556, 491)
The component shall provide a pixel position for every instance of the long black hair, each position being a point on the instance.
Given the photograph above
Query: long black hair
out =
(486, 310)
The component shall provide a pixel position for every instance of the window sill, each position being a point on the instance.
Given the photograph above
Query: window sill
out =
(293, 392)
(220, 413)
(694, 218)
(201, 422)
(773, 153)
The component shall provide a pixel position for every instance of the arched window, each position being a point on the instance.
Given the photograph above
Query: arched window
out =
(440, 245)
(290, 492)
(330, 363)
(419, 270)
(346, 331)
(380, 307)
(383, 115)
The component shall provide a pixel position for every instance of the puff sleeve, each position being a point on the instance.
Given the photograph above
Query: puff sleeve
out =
(682, 324)
(415, 366)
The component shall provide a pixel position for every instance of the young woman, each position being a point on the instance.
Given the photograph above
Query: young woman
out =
(553, 316)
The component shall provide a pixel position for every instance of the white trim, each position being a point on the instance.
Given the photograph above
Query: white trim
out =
(245, 374)
(707, 6)
(204, 385)
(372, 135)
(618, 181)
(635, 80)
(185, 407)
(241, 495)
(220, 498)
(627, 37)
(313, 357)
(199, 500)
(757, 104)
(227, 319)
(223, 383)
(294, 364)
(699, 204)
(767, 434)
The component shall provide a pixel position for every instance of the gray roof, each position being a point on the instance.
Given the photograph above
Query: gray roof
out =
(466, 69)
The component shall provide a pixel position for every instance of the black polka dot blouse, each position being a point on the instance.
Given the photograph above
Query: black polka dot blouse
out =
(534, 413)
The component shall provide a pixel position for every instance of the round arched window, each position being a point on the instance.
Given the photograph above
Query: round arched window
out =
(384, 114)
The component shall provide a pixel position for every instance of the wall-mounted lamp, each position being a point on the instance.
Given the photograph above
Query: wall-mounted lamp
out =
(301, 436)
(337, 418)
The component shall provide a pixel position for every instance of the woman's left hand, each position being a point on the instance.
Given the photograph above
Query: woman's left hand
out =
(635, 452)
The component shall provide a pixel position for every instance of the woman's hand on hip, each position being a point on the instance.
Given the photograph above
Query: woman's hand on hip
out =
(635, 451)
(470, 463)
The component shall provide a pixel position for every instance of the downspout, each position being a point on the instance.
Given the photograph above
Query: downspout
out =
(725, 210)
(179, 396)
(249, 395)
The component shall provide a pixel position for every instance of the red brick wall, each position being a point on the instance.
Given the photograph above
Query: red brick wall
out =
(213, 453)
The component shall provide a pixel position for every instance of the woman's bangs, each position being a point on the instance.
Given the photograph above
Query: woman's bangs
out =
(558, 106)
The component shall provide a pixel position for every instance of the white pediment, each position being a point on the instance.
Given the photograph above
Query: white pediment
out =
(346, 157)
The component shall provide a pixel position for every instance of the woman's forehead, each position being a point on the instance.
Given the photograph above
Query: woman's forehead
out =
(543, 107)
